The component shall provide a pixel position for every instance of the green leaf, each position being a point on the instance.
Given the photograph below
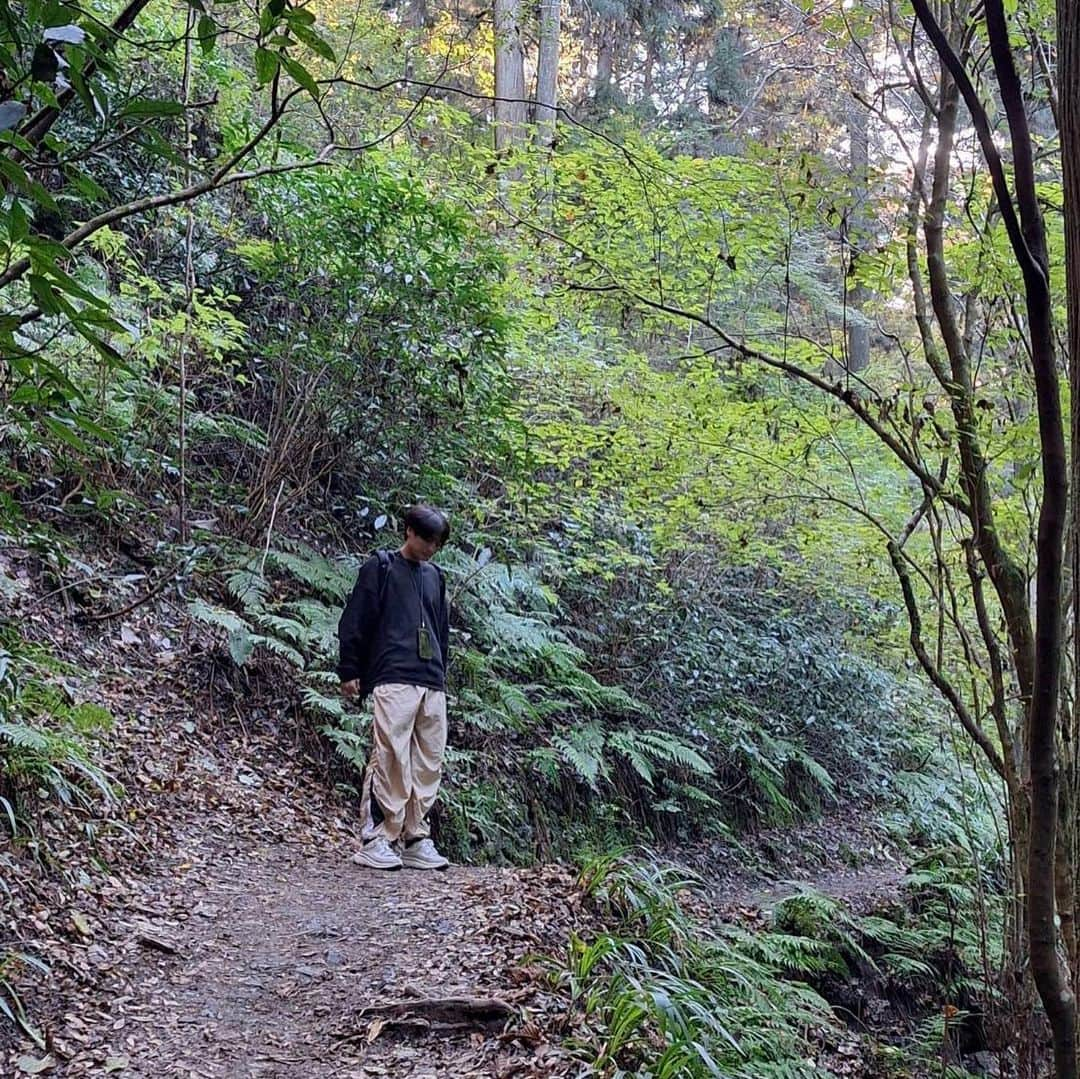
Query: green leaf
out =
(207, 32)
(45, 297)
(241, 645)
(313, 41)
(85, 185)
(18, 222)
(301, 75)
(82, 88)
(64, 433)
(266, 65)
(16, 176)
(147, 106)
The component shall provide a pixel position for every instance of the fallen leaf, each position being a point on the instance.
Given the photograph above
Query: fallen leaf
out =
(32, 1066)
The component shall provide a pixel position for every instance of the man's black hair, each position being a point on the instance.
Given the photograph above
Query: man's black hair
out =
(428, 523)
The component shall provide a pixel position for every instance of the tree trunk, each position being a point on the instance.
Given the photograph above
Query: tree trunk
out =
(1068, 41)
(416, 15)
(858, 332)
(547, 72)
(509, 76)
(605, 60)
(1023, 222)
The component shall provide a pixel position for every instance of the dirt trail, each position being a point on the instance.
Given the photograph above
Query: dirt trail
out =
(216, 927)
(245, 959)
(279, 951)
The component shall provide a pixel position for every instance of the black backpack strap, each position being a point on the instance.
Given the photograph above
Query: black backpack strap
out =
(384, 575)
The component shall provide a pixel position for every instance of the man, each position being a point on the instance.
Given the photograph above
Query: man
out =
(394, 637)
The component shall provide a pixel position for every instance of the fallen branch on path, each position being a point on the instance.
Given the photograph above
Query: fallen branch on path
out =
(443, 1014)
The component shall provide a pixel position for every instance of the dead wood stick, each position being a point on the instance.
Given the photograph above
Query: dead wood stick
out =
(442, 1009)
(148, 938)
(145, 598)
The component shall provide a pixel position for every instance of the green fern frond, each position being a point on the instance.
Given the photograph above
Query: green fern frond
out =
(319, 702)
(332, 580)
(279, 648)
(218, 616)
(289, 628)
(23, 737)
(665, 746)
(249, 588)
(583, 750)
(627, 745)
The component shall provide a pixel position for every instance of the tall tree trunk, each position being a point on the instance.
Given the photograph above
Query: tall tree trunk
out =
(547, 72)
(1068, 96)
(510, 104)
(858, 332)
(416, 15)
(605, 59)
(1023, 222)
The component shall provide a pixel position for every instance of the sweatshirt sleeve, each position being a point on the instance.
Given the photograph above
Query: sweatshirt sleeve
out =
(358, 622)
(444, 624)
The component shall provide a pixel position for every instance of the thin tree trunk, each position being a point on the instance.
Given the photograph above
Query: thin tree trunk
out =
(605, 59)
(858, 332)
(547, 72)
(1068, 41)
(509, 76)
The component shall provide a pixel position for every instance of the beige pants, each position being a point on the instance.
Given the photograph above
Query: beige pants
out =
(408, 743)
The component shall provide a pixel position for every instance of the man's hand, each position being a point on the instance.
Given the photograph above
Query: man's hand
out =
(350, 688)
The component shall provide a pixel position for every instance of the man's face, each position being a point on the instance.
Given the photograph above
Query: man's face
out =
(418, 548)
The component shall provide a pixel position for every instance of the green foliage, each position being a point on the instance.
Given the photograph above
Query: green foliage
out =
(12, 963)
(46, 740)
(932, 954)
(663, 995)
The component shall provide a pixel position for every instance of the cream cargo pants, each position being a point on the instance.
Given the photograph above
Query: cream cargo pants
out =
(403, 775)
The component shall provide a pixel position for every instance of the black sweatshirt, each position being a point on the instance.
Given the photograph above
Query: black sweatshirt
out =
(378, 628)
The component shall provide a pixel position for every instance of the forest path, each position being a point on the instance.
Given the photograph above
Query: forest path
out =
(260, 961)
(271, 960)
(219, 929)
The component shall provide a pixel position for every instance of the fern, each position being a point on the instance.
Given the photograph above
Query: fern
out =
(334, 707)
(279, 648)
(331, 580)
(668, 747)
(225, 619)
(583, 750)
(667, 996)
(627, 745)
(23, 737)
(249, 588)
(289, 628)
(350, 746)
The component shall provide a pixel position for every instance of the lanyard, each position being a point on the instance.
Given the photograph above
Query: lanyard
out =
(418, 584)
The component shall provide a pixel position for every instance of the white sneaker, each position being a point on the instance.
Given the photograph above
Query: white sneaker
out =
(377, 854)
(423, 855)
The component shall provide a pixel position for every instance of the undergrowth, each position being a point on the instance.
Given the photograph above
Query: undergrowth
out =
(666, 990)
(549, 757)
(47, 762)
(661, 994)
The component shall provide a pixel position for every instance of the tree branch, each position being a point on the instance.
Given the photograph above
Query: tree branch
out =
(933, 672)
